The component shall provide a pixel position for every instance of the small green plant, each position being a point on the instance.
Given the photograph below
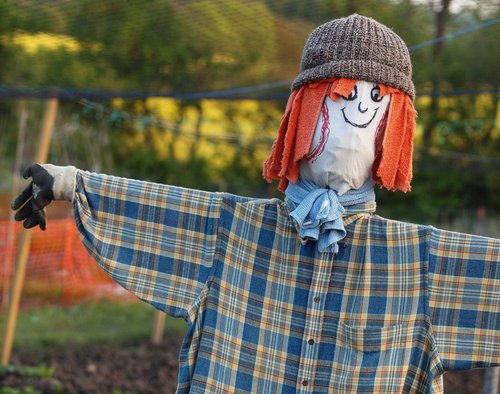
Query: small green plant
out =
(40, 371)
(24, 390)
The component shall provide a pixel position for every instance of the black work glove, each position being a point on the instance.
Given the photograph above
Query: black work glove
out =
(48, 183)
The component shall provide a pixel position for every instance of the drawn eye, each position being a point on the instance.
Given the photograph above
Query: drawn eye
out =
(375, 94)
(353, 95)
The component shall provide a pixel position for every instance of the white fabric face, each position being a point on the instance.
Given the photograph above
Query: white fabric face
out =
(343, 147)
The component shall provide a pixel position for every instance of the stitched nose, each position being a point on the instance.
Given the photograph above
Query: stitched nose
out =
(362, 110)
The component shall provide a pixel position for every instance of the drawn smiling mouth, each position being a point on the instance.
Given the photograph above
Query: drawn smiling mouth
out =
(363, 125)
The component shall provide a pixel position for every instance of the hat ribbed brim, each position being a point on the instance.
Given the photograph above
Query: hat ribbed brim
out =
(361, 70)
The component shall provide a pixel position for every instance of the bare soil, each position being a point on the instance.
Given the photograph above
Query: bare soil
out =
(140, 369)
(106, 369)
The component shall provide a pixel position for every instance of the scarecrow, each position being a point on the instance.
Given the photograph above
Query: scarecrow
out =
(313, 293)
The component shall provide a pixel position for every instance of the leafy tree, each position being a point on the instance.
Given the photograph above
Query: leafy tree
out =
(234, 50)
(194, 46)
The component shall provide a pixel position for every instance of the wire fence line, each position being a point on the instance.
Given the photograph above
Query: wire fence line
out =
(245, 93)
(106, 114)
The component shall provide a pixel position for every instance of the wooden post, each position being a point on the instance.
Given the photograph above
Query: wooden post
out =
(9, 253)
(158, 326)
(25, 237)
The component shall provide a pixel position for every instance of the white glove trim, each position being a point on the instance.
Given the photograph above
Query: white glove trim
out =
(64, 181)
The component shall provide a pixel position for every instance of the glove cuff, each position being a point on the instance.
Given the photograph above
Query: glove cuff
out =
(64, 181)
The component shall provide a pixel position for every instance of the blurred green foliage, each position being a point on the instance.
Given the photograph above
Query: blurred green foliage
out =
(194, 46)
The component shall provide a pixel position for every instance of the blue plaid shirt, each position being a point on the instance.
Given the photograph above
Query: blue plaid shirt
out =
(397, 306)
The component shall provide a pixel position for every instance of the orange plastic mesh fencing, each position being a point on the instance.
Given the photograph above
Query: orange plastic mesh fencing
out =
(59, 271)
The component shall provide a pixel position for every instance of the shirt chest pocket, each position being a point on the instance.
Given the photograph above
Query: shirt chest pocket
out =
(375, 339)
(386, 358)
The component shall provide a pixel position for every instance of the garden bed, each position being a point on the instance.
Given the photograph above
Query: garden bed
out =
(122, 369)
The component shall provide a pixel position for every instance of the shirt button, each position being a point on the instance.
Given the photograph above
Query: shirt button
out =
(310, 341)
(316, 299)
(305, 382)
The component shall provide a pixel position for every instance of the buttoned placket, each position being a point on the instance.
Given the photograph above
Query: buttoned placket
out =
(323, 266)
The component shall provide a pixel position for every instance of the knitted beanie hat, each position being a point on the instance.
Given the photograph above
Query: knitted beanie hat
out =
(356, 47)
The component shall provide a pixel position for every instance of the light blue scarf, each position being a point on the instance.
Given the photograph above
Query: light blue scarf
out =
(318, 212)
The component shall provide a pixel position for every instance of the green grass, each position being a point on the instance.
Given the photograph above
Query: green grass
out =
(104, 322)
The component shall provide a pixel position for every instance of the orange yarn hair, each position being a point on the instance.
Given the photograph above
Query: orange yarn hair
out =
(392, 167)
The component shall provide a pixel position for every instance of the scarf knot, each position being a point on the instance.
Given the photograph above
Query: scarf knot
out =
(317, 212)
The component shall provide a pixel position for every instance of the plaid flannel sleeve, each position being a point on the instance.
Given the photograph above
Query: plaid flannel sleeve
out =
(464, 299)
(157, 241)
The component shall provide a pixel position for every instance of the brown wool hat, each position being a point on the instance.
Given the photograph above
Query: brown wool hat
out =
(356, 47)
